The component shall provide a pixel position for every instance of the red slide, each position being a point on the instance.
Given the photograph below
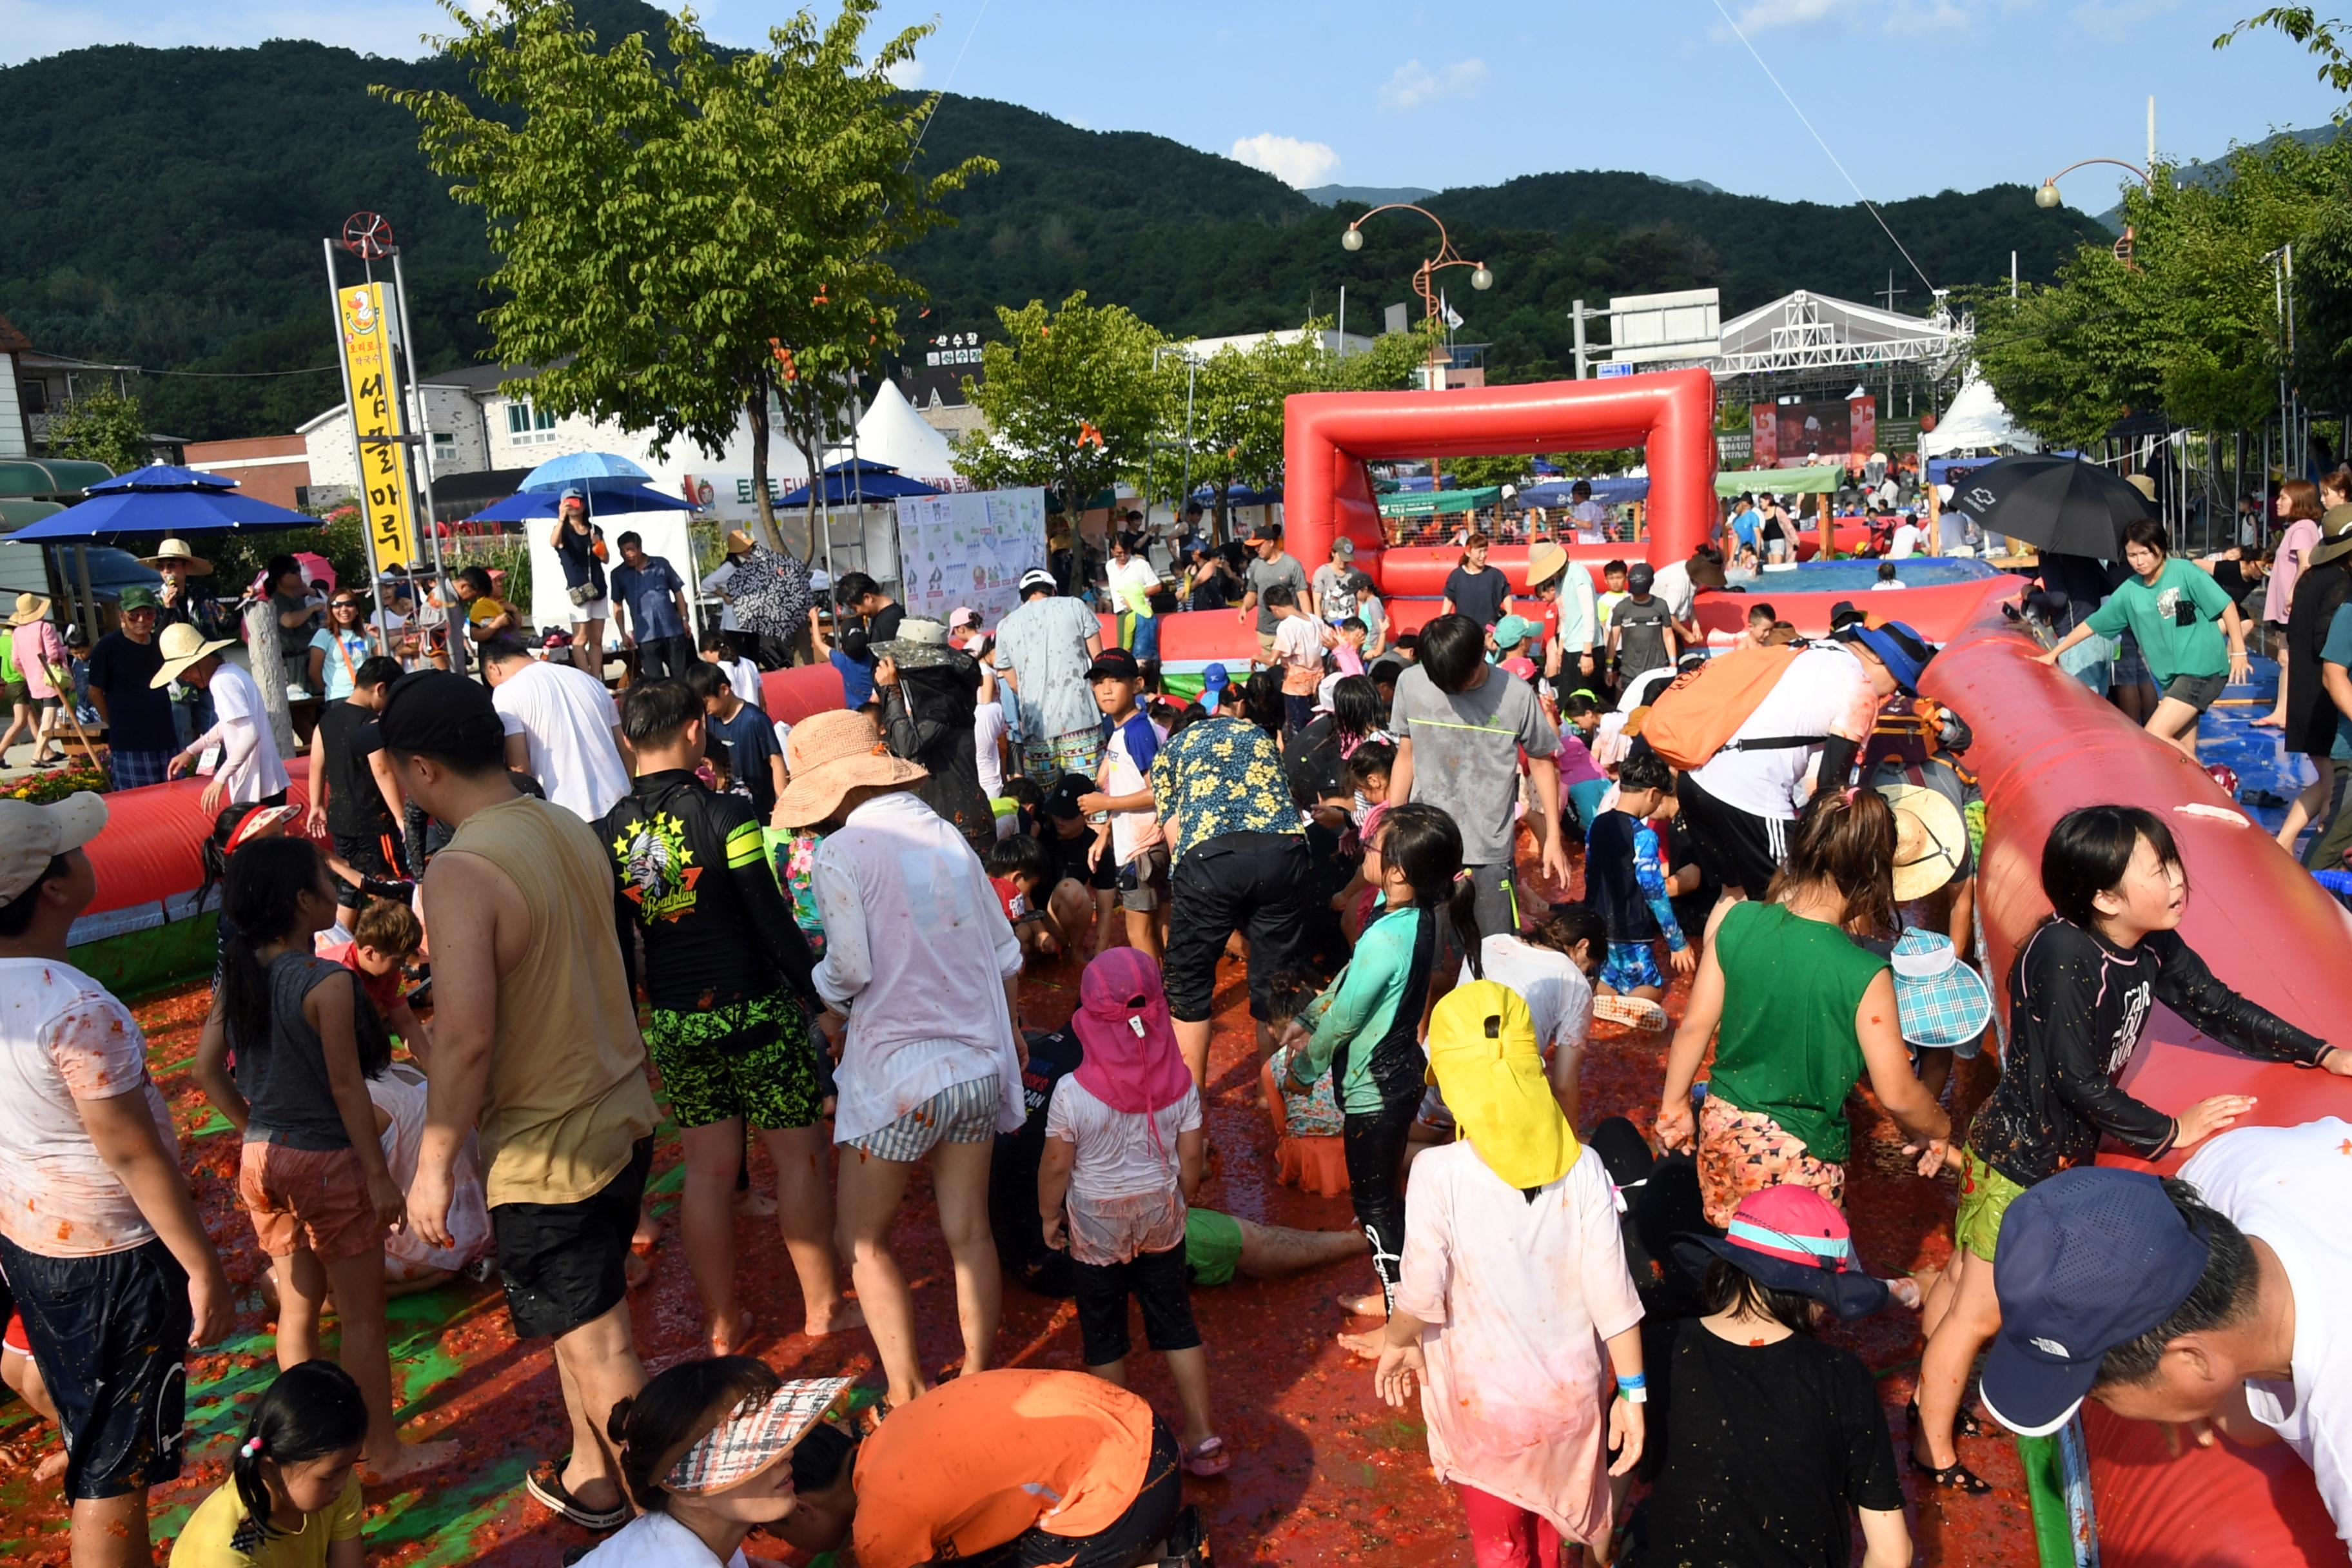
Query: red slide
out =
(2045, 745)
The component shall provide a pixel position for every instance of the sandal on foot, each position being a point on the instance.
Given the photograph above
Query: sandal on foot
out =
(1955, 1477)
(1208, 1458)
(1964, 1422)
(545, 1482)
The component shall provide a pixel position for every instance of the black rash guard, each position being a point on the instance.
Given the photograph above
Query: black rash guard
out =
(696, 882)
(2077, 1007)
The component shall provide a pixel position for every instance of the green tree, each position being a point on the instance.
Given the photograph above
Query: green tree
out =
(101, 426)
(667, 225)
(1073, 398)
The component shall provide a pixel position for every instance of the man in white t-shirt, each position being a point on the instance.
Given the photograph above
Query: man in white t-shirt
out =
(2220, 1300)
(1909, 537)
(989, 733)
(562, 729)
(104, 1252)
(1740, 802)
(249, 771)
(1678, 582)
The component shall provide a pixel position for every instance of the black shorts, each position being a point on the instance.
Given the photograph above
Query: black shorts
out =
(564, 1264)
(377, 855)
(2200, 691)
(1735, 848)
(111, 1336)
(1147, 1521)
(1160, 1285)
(1256, 883)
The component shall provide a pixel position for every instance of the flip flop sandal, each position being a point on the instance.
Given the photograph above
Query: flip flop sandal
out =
(545, 1482)
(1208, 1461)
(1630, 1012)
(1955, 1477)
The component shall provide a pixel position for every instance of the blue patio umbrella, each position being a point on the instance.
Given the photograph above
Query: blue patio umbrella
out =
(164, 476)
(844, 483)
(194, 510)
(532, 506)
(593, 472)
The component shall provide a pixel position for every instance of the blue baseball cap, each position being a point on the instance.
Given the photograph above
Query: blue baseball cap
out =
(573, 492)
(2090, 1259)
(1902, 650)
(1213, 681)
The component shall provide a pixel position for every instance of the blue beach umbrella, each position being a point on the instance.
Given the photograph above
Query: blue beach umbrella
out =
(532, 506)
(593, 472)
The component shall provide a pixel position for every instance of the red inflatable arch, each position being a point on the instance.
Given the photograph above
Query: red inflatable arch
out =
(1329, 436)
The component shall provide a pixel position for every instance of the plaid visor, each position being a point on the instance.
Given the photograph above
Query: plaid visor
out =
(754, 1434)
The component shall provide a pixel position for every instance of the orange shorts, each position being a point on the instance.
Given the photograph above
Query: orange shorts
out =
(309, 1200)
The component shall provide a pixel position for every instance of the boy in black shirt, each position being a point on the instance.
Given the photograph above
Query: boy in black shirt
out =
(727, 974)
(353, 794)
(1625, 882)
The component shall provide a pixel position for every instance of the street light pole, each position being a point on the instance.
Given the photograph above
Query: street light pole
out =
(1481, 276)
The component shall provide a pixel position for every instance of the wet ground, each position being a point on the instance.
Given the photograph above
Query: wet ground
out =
(1324, 1473)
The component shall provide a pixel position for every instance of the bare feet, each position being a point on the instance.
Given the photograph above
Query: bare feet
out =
(1365, 1346)
(52, 1466)
(1370, 1306)
(2269, 722)
(726, 1343)
(845, 1316)
(410, 1459)
(754, 1202)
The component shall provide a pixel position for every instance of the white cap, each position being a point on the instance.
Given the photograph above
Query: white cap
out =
(1038, 577)
(32, 836)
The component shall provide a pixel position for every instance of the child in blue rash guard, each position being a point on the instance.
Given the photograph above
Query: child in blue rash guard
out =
(1625, 878)
(1365, 1027)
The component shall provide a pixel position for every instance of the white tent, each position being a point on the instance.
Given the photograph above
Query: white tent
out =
(893, 433)
(1975, 421)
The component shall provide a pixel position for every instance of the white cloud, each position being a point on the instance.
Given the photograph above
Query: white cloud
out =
(2117, 19)
(906, 75)
(1766, 14)
(1414, 85)
(1295, 162)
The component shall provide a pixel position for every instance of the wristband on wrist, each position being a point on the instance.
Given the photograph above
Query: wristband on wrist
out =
(1627, 1384)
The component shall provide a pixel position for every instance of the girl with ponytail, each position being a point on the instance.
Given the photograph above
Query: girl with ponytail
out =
(1365, 1028)
(1805, 1012)
(293, 1493)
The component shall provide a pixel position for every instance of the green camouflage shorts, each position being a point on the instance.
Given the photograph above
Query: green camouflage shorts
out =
(751, 1059)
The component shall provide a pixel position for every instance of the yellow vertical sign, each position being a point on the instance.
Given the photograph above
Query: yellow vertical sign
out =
(375, 412)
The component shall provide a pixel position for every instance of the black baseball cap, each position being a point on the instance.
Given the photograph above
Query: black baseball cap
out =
(1639, 576)
(1113, 664)
(439, 712)
(2090, 1259)
(1062, 800)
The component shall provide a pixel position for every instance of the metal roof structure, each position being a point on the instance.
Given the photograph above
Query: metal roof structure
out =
(1805, 331)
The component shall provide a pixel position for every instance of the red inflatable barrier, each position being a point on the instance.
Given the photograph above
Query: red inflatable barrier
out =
(1328, 437)
(1939, 611)
(150, 849)
(2045, 745)
(791, 695)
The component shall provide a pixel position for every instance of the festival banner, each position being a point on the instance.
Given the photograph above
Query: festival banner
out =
(375, 412)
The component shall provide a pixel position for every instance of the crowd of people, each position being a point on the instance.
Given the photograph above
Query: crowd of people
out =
(1439, 858)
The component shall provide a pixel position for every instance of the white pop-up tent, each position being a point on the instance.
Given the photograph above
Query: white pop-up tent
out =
(1976, 422)
(892, 432)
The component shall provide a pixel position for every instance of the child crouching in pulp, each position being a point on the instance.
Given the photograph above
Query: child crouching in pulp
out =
(293, 1490)
(1123, 1157)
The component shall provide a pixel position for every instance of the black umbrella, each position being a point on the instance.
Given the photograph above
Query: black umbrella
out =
(2062, 504)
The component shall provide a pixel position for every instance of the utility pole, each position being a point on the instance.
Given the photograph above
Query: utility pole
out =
(1889, 293)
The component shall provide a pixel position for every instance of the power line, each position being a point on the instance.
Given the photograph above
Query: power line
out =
(958, 65)
(1824, 146)
(201, 374)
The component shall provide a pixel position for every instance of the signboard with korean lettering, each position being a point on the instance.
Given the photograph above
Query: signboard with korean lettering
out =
(375, 413)
(933, 370)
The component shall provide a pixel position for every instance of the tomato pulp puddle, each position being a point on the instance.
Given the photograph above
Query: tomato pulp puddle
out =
(1322, 1472)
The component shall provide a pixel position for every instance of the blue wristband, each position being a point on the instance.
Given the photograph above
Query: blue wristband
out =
(1639, 1380)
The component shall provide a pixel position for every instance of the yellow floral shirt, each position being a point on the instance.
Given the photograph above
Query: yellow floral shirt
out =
(1222, 776)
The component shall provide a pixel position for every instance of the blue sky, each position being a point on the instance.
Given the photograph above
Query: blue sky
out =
(1912, 96)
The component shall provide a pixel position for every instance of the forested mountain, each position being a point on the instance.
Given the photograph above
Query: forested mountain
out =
(164, 207)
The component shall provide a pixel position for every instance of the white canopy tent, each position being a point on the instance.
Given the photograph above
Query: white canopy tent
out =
(1976, 422)
(892, 432)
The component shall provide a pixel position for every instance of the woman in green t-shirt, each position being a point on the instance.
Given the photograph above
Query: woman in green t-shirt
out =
(1804, 1013)
(2181, 619)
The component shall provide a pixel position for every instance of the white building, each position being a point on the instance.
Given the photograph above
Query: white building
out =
(1334, 342)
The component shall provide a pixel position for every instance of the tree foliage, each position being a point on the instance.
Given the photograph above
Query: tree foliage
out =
(669, 226)
(1073, 397)
(2189, 323)
(101, 426)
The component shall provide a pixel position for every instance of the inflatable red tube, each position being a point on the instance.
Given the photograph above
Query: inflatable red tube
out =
(2045, 745)
(150, 848)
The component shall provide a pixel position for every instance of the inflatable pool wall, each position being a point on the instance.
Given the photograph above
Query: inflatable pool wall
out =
(2045, 745)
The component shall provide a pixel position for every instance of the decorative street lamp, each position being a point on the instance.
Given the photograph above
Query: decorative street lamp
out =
(1482, 277)
(2045, 196)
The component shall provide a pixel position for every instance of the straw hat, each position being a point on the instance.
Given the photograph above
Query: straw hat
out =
(1544, 561)
(183, 645)
(30, 608)
(177, 550)
(738, 542)
(830, 755)
(1931, 839)
(2335, 536)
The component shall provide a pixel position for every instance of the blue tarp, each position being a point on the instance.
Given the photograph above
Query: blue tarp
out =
(1607, 492)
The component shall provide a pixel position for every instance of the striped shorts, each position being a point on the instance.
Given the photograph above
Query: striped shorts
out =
(961, 1113)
